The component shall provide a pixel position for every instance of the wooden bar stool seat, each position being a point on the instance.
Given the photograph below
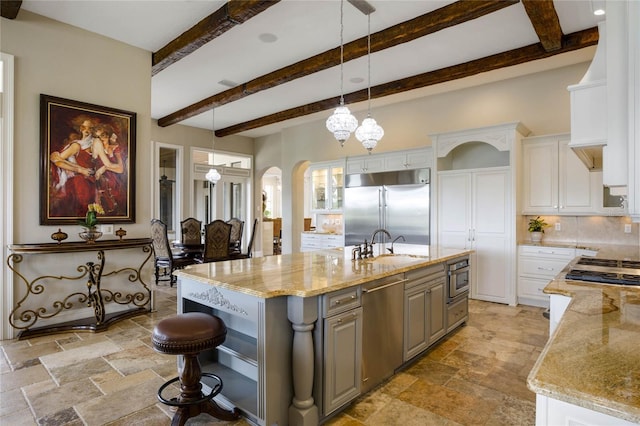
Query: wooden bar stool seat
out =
(187, 335)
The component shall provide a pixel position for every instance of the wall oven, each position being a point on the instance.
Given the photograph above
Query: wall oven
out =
(459, 278)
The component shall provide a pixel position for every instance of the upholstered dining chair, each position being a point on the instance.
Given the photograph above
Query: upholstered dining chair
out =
(237, 228)
(165, 261)
(217, 238)
(191, 232)
(249, 252)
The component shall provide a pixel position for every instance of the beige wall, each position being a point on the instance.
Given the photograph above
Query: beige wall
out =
(63, 61)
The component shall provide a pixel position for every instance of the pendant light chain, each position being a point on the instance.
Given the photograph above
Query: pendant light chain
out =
(369, 133)
(342, 123)
(212, 175)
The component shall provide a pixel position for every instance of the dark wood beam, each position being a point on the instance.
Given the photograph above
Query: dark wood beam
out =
(429, 23)
(234, 12)
(571, 42)
(546, 23)
(9, 8)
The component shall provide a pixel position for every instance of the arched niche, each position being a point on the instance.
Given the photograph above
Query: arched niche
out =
(483, 147)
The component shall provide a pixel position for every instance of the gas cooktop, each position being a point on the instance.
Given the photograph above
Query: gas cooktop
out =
(607, 271)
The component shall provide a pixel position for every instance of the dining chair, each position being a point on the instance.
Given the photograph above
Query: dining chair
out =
(165, 261)
(191, 232)
(237, 228)
(217, 238)
(249, 252)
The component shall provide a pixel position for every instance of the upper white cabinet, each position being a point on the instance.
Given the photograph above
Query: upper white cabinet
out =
(370, 164)
(555, 181)
(327, 186)
(398, 160)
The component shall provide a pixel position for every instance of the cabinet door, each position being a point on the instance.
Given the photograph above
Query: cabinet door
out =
(416, 330)
(437, 314)
(319, 183)
(454, 211)
(336, 184)
(540, 176)
(575, 193)
(343, 355)
(491, 237)
(374, 163)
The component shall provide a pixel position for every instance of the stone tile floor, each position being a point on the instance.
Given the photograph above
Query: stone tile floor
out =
(477, 376)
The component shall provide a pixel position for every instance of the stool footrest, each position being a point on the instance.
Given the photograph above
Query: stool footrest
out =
(175, 403)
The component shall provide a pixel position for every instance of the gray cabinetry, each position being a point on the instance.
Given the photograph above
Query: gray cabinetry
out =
(244, 361)
(342, 347)
(457, 313)
(424, 309)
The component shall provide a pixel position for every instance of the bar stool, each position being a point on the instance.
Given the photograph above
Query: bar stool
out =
(189, 334)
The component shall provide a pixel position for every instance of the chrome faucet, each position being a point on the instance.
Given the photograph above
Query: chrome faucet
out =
(397, 238)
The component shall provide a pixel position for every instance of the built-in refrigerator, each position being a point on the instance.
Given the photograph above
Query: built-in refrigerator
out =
(397, 201)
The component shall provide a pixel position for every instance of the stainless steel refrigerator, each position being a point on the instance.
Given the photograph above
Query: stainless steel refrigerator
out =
(396, 201)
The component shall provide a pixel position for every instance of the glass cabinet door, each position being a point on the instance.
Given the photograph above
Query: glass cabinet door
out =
(318, 189)
(336, 188)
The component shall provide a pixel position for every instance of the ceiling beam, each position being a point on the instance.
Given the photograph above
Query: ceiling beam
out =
(546, 23)
(571, 42)
(9, 8)
(429, 23)
(234, 12)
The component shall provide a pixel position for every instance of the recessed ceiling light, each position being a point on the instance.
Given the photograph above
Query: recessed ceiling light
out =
(228, 83)
(356, 80)
(598, 7)
(267, 38)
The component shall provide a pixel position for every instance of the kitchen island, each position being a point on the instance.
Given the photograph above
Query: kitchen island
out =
(589, 371)
(294, 343)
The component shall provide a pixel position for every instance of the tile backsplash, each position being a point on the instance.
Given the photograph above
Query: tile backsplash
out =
(582, 230)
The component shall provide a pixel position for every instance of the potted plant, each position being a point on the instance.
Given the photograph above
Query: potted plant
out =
(536, 227)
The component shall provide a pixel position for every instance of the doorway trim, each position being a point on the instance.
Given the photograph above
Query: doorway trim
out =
(6, 186)
(179, 184)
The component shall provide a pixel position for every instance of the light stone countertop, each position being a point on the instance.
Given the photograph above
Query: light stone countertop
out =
(312, 273)
(593, 358)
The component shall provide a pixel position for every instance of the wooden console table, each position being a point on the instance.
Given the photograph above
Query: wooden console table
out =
(25, 317)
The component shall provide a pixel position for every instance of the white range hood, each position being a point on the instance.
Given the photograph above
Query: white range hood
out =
(589, 109)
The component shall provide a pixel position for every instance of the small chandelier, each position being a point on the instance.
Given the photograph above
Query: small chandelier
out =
(369, 133)
(341, 123)
(212, 175)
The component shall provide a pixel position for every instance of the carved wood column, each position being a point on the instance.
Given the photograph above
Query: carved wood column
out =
(303, 314)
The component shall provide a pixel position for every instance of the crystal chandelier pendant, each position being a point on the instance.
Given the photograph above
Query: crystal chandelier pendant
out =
(369, 133)
(212, 176)
(342, 123)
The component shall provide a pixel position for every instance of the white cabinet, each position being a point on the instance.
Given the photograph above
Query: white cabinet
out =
(369, 164)
(389, 161)
(537, 266)
(474, 213)
(551, 411)
(310, 241)
(555, 181)
(406, 160)
(327, 184)
(424, 309)
(342, 348)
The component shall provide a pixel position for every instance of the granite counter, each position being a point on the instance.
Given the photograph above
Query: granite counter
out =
(312, 273)
(592, 359)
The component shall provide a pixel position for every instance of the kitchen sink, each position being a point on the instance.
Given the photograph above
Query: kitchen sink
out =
(395, 259)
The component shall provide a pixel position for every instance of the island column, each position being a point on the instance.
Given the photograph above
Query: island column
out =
(303, 314)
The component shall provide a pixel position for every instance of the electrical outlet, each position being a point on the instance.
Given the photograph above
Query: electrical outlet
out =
(106, 229)
(558, 226)
(627, 228)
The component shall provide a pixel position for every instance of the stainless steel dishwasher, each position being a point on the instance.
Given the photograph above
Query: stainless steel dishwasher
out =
(382, 332)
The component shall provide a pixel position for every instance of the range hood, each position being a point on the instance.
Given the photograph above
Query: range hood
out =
(589, 109)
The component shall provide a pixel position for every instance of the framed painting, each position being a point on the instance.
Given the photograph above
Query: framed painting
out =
(87, 156)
